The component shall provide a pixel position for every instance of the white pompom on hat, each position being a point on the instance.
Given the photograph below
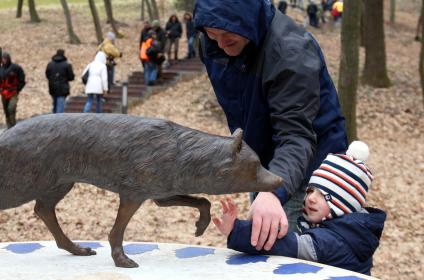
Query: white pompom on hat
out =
(358, 150)
(344, 179)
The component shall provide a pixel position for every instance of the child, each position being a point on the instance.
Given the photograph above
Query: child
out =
(336, 229)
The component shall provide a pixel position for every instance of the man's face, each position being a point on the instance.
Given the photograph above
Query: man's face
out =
(316, 207)
(232, 44)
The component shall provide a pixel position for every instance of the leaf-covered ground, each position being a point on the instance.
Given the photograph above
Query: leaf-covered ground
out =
(389, 120)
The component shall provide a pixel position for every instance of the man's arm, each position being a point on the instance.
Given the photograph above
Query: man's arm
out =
(291, 82)
(21, 77)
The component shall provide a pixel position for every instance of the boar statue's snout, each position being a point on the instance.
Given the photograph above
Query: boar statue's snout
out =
(269, 180)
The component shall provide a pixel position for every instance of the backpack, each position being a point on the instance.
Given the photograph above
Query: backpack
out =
(85, 76)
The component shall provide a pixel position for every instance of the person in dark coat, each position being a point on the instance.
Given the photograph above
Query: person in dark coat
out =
(59, 73)
(191, 33)
(12, 81)
(312, 11)
(271, 79)
(336, 229)
(282, 6)
(173, 31)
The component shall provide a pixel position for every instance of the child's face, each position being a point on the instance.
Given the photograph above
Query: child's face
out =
(316, 207)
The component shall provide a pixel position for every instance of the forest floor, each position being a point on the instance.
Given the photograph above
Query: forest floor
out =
(389, 120)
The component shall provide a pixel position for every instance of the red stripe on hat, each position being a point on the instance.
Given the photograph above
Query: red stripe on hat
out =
(338, 183)
(337, 204)
(353, 183)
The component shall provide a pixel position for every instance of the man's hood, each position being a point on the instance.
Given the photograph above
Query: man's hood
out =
(100, 57)
(8, 59)
(362, 231)
(59, 58)
(248, 18)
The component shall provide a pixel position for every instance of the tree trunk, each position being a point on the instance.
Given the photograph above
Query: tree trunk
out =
(19, 8)
(33, 12)
(149, 10)
(349, 64)
(375, 71)
(392, 11)
(96, 21)
(73, 38)
(422, 53)
(155, 9)
(419, 25)
(142, 9)
(110, 19)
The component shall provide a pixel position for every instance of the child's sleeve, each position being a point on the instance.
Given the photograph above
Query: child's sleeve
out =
(292, 245)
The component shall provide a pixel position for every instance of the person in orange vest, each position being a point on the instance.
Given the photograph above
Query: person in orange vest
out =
(12, 81)
(150, 57)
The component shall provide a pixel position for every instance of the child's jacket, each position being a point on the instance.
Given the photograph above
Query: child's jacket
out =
(348, 242)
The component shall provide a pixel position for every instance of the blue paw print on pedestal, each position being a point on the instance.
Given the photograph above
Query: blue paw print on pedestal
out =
(92, 245)
(23, 248)
(135, 249)
(294, 268)
(245, 259)
(192, 252)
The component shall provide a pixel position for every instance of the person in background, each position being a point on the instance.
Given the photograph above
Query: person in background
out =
(59, 73)
(312, 11)
(161, 41)
(143, 34)
(282, 6)
(12, 81)
(270, 77)
(191, 33)
(151, 56)
(173, 31)
(336, 228)
(112, 53)
(97, 82)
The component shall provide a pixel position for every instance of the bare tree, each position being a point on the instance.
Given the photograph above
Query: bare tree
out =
(149, 9)
(19, 8)
(155, 9)
(422, 52)
(142, 9)
(110, 18)
(33, 12)
(349, 64)
(375, 71)
(392, 11)
(73, 38)
(96, 21)
(419, 25)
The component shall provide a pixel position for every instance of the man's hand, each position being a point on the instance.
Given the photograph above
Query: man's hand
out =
(269, 221)
(229, 215)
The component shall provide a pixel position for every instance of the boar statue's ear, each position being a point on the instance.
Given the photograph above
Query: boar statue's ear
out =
(237, 141)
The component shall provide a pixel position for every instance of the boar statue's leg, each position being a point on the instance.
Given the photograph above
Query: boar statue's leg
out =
(45, 209)
(202, 204)
(116, 236)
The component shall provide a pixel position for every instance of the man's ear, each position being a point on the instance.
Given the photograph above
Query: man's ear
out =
(237, 141)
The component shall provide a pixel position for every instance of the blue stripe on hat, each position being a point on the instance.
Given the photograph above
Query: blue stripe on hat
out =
(348, 172)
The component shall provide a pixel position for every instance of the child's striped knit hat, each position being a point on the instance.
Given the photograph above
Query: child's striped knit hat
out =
(344, 179)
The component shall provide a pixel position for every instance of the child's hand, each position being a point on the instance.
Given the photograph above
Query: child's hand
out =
(229, 215)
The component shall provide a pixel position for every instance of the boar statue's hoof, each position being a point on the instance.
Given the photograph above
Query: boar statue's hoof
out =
(79, 251)
(124, 261)
(202, 224)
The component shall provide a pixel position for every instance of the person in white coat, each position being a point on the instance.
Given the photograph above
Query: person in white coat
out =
(97, 84)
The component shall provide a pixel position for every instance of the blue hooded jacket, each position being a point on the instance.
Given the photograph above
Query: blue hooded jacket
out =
(348, 242)
(277, 90)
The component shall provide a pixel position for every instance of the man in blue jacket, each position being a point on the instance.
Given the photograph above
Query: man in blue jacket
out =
(336, 229)
(270, 77)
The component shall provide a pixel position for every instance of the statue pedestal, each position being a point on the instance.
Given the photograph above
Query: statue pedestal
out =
(43, 260)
